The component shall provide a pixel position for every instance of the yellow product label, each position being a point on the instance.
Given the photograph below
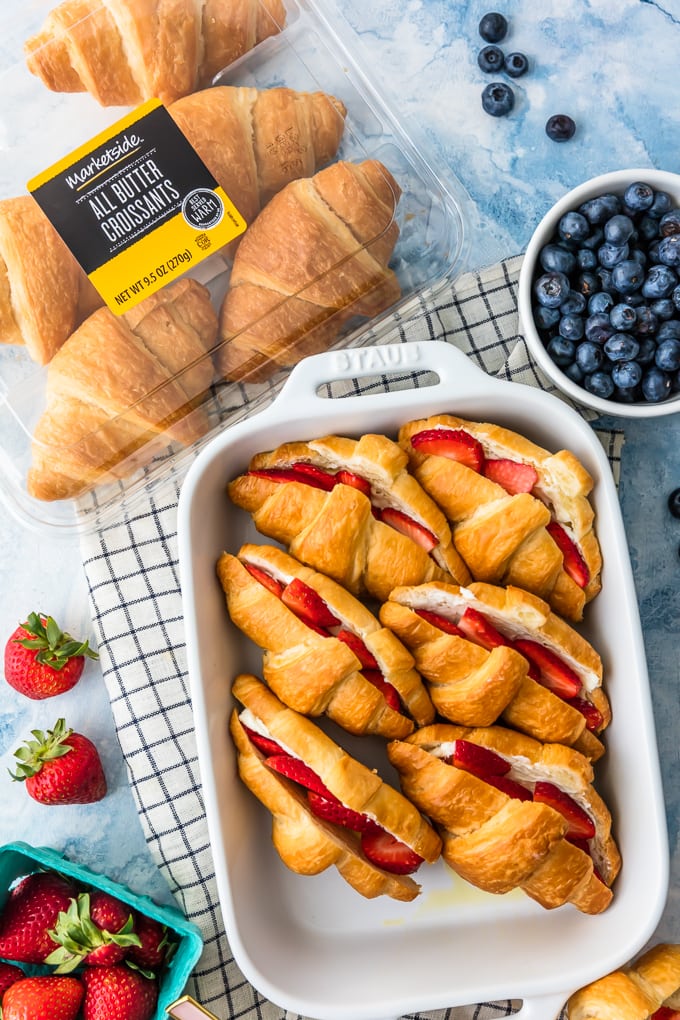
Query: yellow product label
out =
(137, 206)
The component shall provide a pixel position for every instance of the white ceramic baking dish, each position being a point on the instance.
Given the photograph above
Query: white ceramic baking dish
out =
(312, 945)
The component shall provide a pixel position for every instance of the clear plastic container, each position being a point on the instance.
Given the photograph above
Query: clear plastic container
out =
(422, 241)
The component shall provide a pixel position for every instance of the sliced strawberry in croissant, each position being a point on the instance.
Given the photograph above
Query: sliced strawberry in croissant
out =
(325, 653)
(328, 808)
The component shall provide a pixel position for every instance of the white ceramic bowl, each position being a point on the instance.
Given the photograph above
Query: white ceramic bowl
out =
(616, 182)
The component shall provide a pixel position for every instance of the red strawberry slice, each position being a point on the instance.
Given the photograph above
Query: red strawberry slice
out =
(262, 743)
(345, 477)
(476, 627)
(389, 692)
(478, 760)
(313, 475)
(666, 1013)
(404, 524)
(293, 768)
(448, 626)
(581, 825)
(512, 475)
(573, 562)
(362, 653)
(456, 444)
(271, 583)
(593, 716)
(333, 810)
(509, 786)
(307, 604)
(555, 674)
(387, 852)
(277, 474)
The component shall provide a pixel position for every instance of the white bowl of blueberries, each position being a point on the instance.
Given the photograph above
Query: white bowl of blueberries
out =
(599, 293)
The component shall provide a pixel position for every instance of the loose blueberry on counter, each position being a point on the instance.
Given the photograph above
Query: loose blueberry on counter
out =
(560, 127)
(674, 503)
(516, 64)
(498, 99)
(491, 59)
(493, 27)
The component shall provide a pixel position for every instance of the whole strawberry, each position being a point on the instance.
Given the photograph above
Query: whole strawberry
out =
(43, 998)
(8, 975)
(60, 767)
(30, 910)
(156, 945)
(118, 993)
(97, 929)
(41, 660)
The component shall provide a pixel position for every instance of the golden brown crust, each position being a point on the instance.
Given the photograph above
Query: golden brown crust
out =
(125, 51)
(306, 844)
(315, 257)
(318, 675)
(474, 687)
(334, 532)
(503, 537)
(497, 842)
(102, 410)
(634, 992)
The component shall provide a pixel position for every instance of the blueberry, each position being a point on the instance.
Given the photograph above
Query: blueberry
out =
(610, 254)
(604, 277)
(545, 318)
(587, 283)
(573, 226)
(498, 99)
(493, 27)
(597, 328)
(626, 374)
(663, 308)
(571, 327)
(599, 384)
(670, 223)
(618, 229)
(586, 258)
(638, 196)
(628, 276)
(662, 204)
(596, 238)
(491, 59)
(574, 304)
(675, 297)
(647, 228)
(600, 302)
(551, 289)
(560, 127)
(639, 256)
(670, 328)
(667, 356)
(623, 317)
(599, 209)
(589, 357)
(647, 351)
(674, 502)
(574, 373)
(656, 385)
(554, 256)
(516, 64)
(621, 347)
(626, 395)
(669, 250)
(659, 282)
(561, 350)
(646, 321)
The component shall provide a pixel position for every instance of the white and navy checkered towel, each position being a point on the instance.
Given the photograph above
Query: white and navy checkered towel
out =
(132, 571)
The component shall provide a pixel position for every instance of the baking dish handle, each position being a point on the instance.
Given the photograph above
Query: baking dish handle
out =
(542, 1007)
(453, 368)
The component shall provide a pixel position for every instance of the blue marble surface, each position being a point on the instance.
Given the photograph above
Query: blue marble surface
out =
(613, 67)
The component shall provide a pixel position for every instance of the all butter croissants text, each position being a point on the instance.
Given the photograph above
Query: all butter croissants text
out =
(45, 295)
(125, 51)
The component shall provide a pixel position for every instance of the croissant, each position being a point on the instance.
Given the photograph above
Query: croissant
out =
(315, 257)
(635, 992)
(321, 799)
(519, 514)
(126, 51)
(237, 132)
(370, 527)
(512, 812)
(119, 382)
(325, 652)
(493, 654)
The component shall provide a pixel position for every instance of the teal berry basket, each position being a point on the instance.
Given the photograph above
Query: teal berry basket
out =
(19, 859)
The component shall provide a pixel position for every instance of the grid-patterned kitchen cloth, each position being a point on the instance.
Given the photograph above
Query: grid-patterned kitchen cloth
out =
(132, 572)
